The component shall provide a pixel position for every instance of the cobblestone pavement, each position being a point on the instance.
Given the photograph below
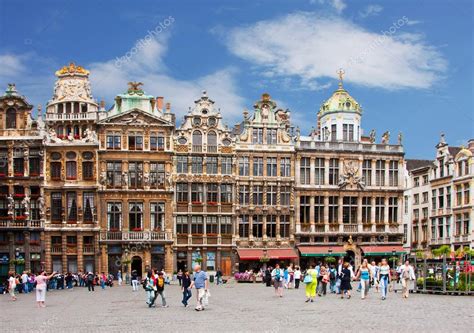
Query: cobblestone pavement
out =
(234, 308)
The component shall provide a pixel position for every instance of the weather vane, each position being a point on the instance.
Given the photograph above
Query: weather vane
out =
(341, 73)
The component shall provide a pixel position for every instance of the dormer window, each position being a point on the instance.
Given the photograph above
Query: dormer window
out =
(212, 121)
(11, 118)
(196, 121)
(348, 105)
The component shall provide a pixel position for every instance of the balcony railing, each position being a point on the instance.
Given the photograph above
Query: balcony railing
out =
(350, 228)
(88, 249)
(197, 149)
(352, 146)
(135, 236)
(212, 149)
(56, 249)
(21, 224)
(72, 116)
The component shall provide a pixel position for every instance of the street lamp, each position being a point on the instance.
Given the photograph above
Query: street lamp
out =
(393, 257)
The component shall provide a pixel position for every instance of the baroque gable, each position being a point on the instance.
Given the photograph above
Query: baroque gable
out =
(136, 118)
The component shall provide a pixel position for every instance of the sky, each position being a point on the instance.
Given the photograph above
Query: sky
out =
(409, 63)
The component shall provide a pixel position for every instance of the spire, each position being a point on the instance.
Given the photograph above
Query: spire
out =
(340, 73)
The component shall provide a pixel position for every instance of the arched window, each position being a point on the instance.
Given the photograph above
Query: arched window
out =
(197, 141)
(11, 118)
(212, 142)
(135, 216)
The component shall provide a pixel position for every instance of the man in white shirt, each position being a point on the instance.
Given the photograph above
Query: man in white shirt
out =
(277, 276)
(12, 285)
(24, 282)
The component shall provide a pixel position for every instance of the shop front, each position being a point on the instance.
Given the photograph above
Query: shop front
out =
(255, 259)
(312, 255)
(393, 253)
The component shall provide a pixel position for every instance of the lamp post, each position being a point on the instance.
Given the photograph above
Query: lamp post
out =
(393, 257)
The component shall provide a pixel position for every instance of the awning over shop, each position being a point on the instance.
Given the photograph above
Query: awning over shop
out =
(257, 254)
(321, 251)
(383, 250)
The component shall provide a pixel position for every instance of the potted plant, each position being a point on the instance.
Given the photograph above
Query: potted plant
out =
(330, 260)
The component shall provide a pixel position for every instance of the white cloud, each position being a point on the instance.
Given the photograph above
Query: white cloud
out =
(312, 48)
(337, 5)
(11, 65)
(110, 78)
(371, 10)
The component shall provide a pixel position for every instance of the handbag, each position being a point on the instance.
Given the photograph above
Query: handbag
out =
(308, 279)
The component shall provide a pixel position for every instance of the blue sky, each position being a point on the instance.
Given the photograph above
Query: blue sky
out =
(408, 62)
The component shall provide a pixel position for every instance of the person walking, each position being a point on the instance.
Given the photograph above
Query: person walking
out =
(407, 274)
(218, 276)
(186, 287)
(346, 277)
(311, 281)
(160, 289)
(297, 276)
(134, 280)
(332, 279)
(323, 280)
(201, 283)
(268, 277)
(90, 281)
(384, 278)
(12, 282)
(365, 275)
(24, 282)
(340, 267)
(41, 282)
(103, 280)
(150, 288)
(119, 277)
(277, 277)
(179, 276)
(68, 280)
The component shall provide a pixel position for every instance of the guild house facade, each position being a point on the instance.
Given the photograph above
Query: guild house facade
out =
(85, 188)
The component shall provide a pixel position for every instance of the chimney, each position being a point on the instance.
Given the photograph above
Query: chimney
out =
(159, 103)
(168, 107)
(102, 105)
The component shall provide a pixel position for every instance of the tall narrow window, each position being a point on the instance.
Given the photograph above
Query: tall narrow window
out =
(182, 192)
(272, 136)
(157, 216)
(333, 132)
(114, 174)
(393, 210)
(71, 206)
(244, 226)
(285, 167)
(305, 170)
(157, 175)
(88, 206)
(393, 173)
(380, 172)
(135, 141)
(197, 226)
(319, 171)
(196, 193)
(56, 206)
(304, 209)
(226, 165)
(257, 226)
(135, 174)
(197, 141)
(284, 226)
(181, 225)
(271, 166)
(226, 193)
(285, 195)
(258, 166)
(333, 209)
(196, 166)
(114, 140)
(135, 216)
(271, 195)
(71, 170)
(226, 225)
(271, 225)
(257, 137)
(182, 166)
(212, 225)
(366, 210)
(212, 142)
(379, 210)
(11, 118)
(367, 172)
(244, 166)
(244, 195)
(258, 195)
(212, 194)
(211, 165)
(87, 170)
(333, 171)
(157, 141)
(319, 209)
(349, 210)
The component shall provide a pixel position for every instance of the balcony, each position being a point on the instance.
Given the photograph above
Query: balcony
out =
(135, 236)
(352, 228)
(88, 249)
(197, 149)
(72, 116)
(212, 149)
(56, 249)
(20, 224)
(347, 146)
(319, 228)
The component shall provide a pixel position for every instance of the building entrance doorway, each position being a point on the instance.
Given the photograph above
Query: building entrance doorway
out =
(350, 257)
(137, 265)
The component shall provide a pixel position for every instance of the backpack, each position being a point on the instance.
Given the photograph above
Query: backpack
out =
(406, 273)
(332, 274)
(144, 284)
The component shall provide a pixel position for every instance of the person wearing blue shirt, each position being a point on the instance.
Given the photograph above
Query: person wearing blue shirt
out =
(201, 283)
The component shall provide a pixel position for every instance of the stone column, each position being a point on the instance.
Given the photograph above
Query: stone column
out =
(80, 250)
(250, 226)
(297, 170)
(311, 171)
(311, 212)
(46, 245)
(297, 213)
(11, 248)
(326, 171)
(170, 265)
(27, 251)
(359, 213)
(64, 252)
(387, 166)
(103, 266)
(97, 254)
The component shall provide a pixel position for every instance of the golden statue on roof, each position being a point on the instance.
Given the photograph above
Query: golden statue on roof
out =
(72, 69)
(340, 73)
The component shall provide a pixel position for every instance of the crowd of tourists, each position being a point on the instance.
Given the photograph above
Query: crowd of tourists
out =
(322, 278)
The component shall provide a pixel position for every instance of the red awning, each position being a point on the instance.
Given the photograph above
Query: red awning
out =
(256, 254)
(321, 251)
(383, 249)
(250, 254)
(281, 254)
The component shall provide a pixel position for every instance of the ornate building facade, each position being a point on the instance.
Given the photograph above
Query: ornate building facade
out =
(204, 189)
(21, 177)
(349, 189)
(135, 192)
(70, 186)
(265, 184)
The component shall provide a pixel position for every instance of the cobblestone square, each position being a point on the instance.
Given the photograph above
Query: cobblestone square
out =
(234, 308)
